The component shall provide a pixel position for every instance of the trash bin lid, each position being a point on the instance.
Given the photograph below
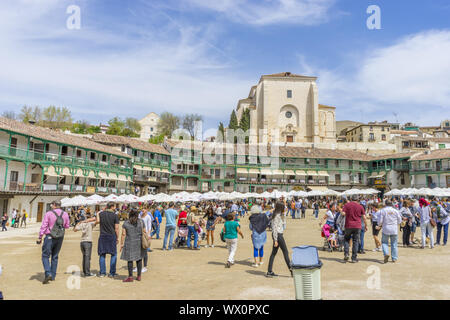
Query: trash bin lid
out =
(305, 257)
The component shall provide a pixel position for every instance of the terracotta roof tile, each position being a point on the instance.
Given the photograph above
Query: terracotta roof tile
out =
(433, 155)
(56, 136)
(131, 142)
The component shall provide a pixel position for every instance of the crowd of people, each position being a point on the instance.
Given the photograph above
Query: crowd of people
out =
(344, 225)
(349, 220)
(18, 219)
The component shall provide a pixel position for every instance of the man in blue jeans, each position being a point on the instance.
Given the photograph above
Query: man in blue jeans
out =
(171, 216)
(191, 226)
(51, 246)
(108, 240)
(158, 220)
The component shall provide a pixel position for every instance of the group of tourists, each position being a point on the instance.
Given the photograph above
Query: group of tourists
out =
(18, 219)
(344, 225)
(134, 230)
(349, 221)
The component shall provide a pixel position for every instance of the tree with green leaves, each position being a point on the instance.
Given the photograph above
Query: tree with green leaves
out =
(157, 139)
(133, 125)
(57, 118)
(189, 122)
(233, 121)
(80, 127)
(129, 127)
(168, 123)
(93, 129)
(28, 114)
(221, 131)
(244, 124)
(116, 126)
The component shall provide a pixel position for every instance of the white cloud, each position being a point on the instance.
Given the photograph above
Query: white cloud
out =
(408, 77)
(414, 70)
(113, 71)
(267, 12)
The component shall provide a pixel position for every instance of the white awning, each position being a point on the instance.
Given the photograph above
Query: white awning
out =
(266, 172)
(377, 175)
(65, 172)
(79, 173)
(318, 188)
(278, 173)
(51, 172)
(154, 169)
(165, 171)
(103, 175)
(241, 171)
(300, 173)
(91, 175)
(323, 174)
(311, 173)
(123, 178)
(254, 171)
(289, 172)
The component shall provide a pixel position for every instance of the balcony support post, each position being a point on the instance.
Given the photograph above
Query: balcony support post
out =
(59, 153)
(6, 173)
(25, 176)
(9, 144)
(45, 150)
(28, 147)
(42, 179)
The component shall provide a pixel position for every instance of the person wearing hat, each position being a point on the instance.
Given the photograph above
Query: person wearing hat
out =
(258, 224)
(425, 222)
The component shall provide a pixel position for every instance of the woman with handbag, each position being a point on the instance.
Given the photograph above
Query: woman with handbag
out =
(426, 222)
(278, 239)
(406, 224)
(133, 243)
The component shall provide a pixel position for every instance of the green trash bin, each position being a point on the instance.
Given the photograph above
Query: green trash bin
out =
(306, 272)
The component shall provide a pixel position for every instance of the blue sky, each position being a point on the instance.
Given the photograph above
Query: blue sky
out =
(197, 56)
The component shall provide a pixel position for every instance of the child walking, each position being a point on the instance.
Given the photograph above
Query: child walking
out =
(86, 227)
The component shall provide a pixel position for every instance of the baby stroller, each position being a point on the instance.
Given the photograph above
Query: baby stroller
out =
(325, 232)
(181, 239)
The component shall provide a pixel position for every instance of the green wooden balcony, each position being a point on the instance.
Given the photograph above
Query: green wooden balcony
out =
(49, 158)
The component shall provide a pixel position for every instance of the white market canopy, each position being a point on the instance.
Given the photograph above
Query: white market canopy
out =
(231, 196)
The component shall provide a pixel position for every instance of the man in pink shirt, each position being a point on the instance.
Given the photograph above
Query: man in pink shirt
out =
(52, 245)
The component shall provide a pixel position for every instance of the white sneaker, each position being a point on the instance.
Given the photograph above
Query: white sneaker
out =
(206, 246)
(255, 265)
(144, 269)
(261, 263)
(212, 246)
(135, 270)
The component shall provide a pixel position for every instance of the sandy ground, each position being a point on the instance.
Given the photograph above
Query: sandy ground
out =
(186, 274)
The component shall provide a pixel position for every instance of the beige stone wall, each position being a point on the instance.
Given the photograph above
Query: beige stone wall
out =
(272, 103)
(362, 134)
(148, 122)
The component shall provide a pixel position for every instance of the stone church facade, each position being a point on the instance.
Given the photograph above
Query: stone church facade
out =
(284, 108)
